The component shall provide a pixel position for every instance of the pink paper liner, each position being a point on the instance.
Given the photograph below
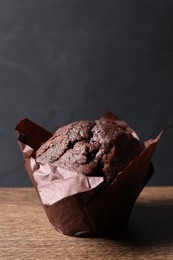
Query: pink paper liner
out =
(96, 211)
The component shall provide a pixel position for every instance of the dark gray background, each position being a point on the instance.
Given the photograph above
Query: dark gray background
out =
(65, 60)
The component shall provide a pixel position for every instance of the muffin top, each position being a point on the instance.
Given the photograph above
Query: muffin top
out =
(95, 148)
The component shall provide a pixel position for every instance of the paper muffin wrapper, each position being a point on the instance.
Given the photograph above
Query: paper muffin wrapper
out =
(80, 205)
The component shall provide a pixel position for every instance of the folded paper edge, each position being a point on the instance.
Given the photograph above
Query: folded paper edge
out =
(31, 134)
(150, 146)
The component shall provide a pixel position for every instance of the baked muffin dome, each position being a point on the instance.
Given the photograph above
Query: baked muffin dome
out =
(95, 148)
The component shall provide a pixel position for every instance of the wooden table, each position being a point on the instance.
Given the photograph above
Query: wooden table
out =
(25, 232)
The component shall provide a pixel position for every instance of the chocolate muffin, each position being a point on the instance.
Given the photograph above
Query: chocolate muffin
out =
(76, 203)
(95, 148)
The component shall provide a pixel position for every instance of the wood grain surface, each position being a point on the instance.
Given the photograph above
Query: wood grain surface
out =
(25, 232)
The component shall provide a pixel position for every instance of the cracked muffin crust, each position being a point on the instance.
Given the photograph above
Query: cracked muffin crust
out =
(95, 148)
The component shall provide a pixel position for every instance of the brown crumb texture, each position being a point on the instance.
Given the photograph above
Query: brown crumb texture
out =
(95, 148)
